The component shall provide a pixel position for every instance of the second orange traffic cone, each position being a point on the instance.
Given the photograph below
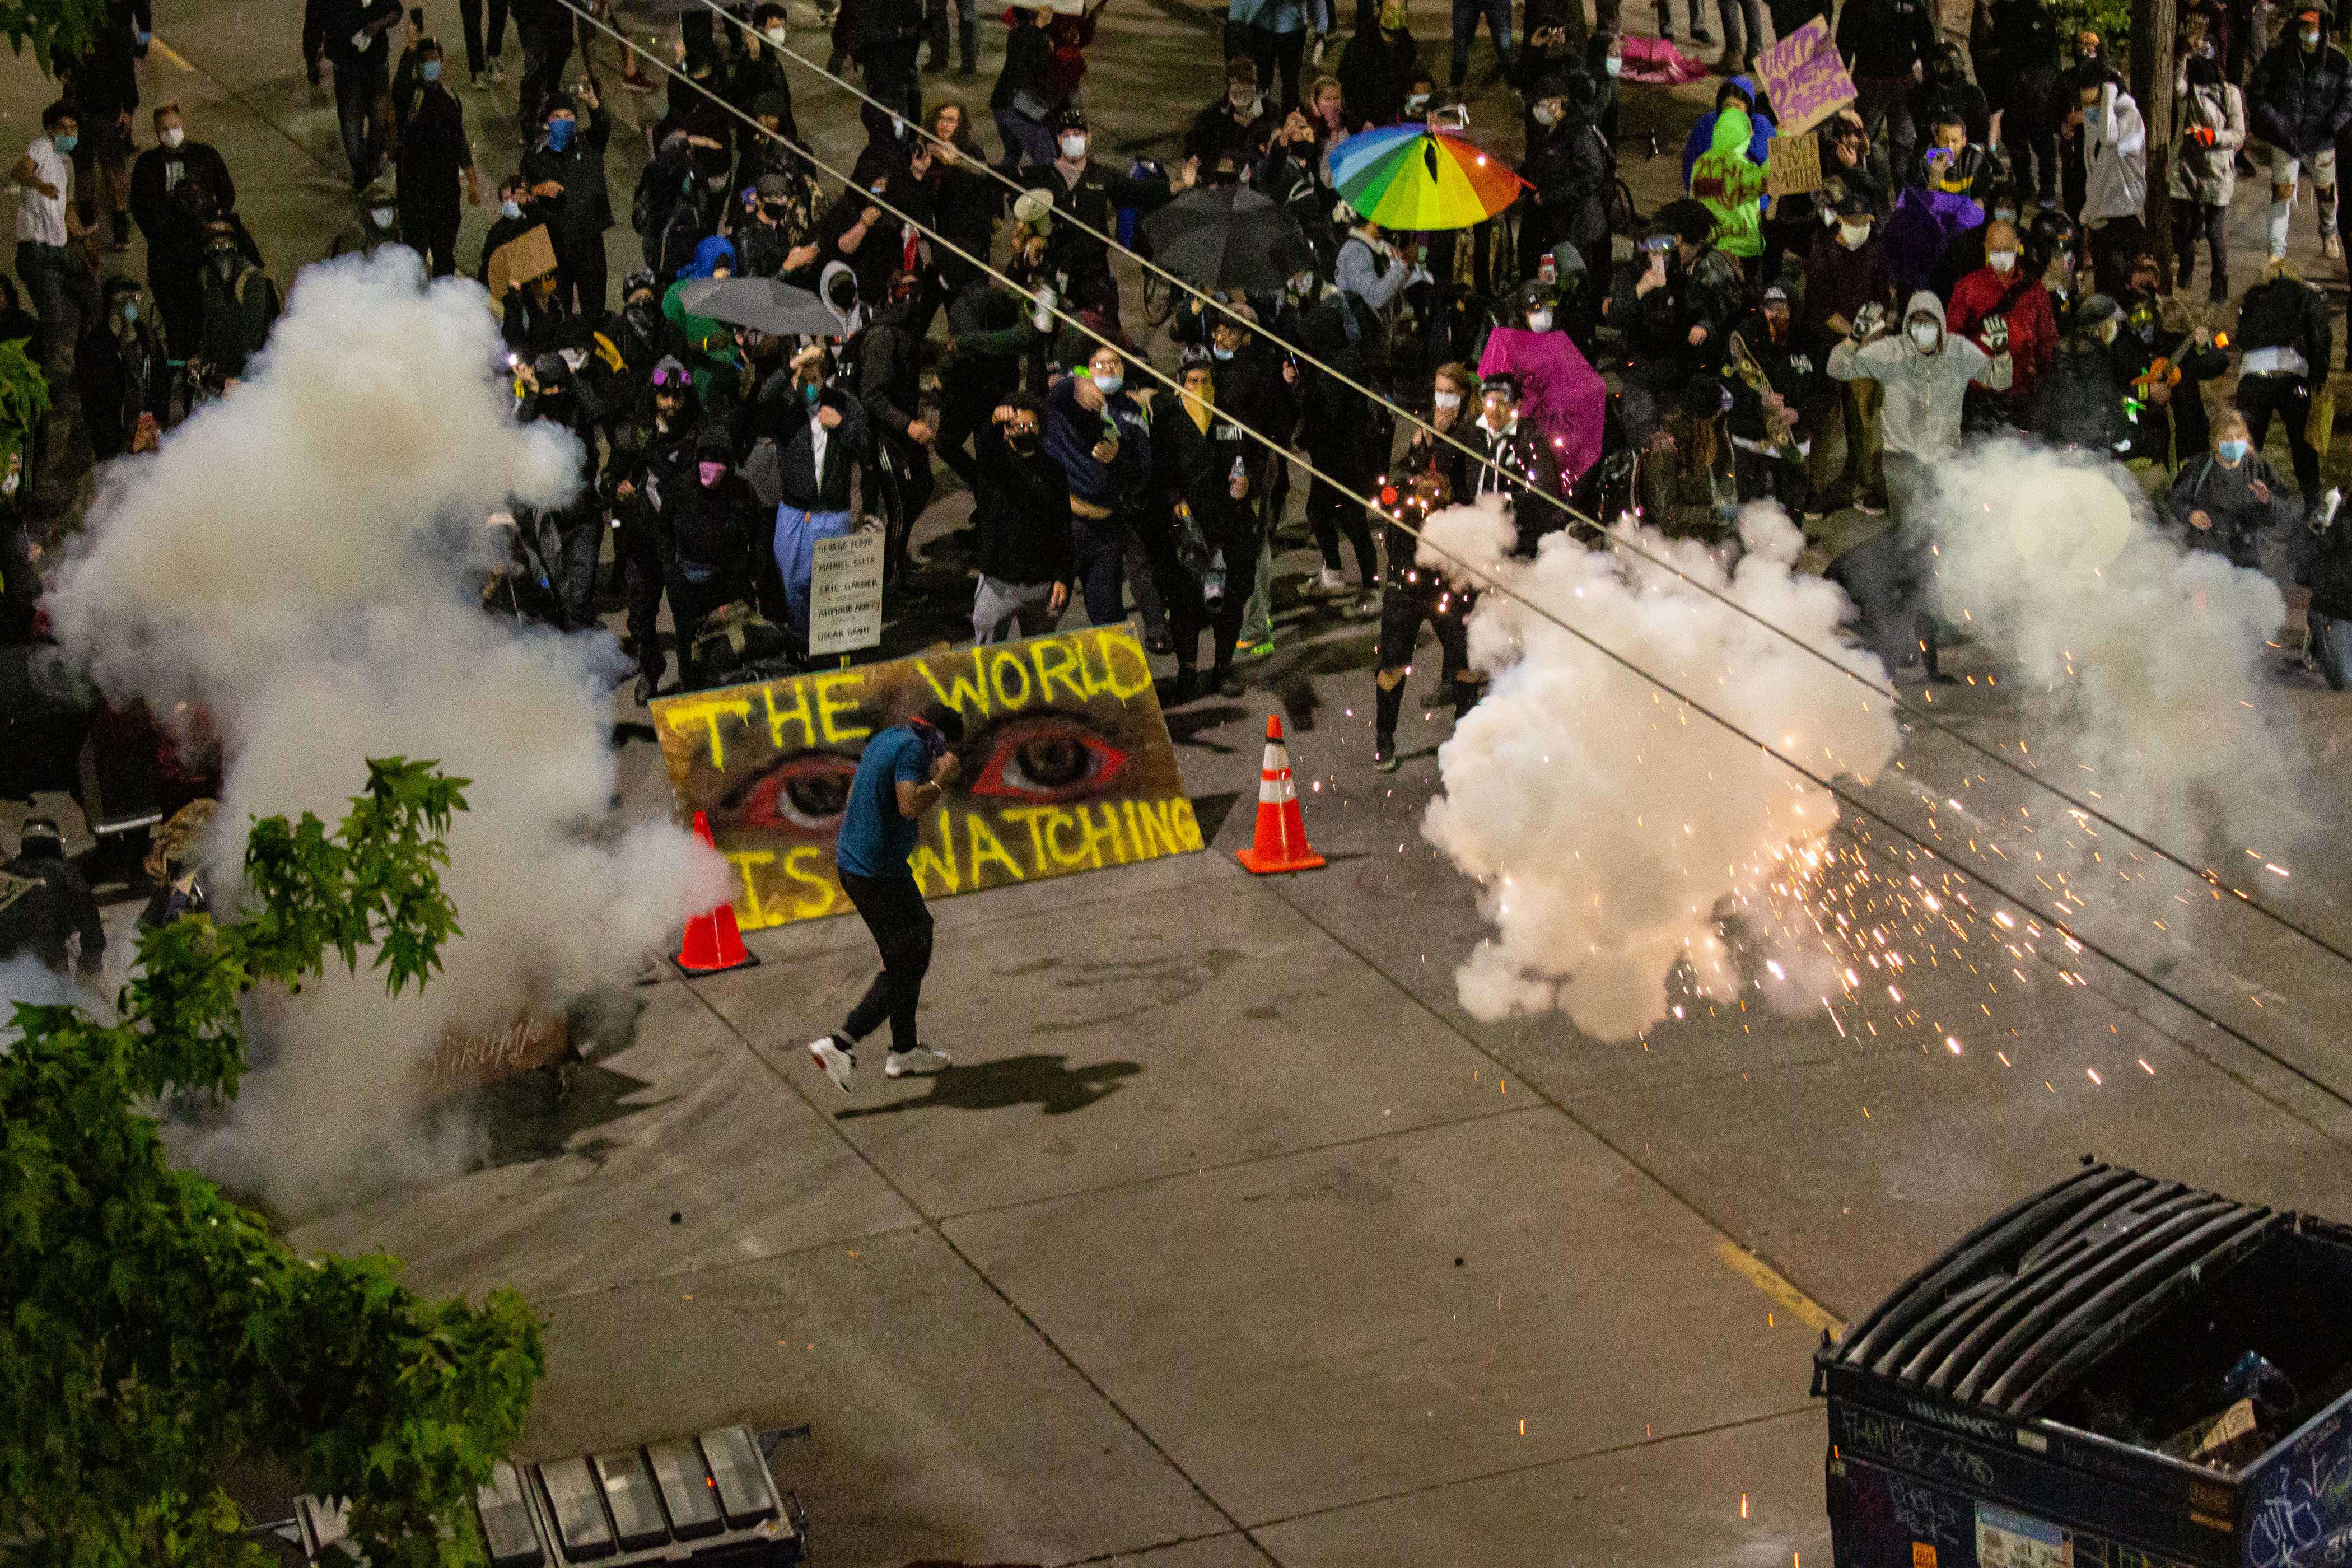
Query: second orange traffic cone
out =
(1281, 831)
(713, 943)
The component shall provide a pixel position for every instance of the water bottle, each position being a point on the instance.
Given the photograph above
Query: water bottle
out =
(1548, 270)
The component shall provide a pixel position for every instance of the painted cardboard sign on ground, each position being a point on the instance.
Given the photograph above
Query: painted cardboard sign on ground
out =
(1067, 767)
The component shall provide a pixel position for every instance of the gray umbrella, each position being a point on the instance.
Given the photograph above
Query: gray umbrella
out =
(764, 304)
(1227, 236)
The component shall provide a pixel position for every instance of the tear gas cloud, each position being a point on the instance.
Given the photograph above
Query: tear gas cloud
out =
(300, 558)
(1611, 826)
(2150, 654)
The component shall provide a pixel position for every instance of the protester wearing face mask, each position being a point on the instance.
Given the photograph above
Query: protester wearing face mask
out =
(47, 223)
(1237, 126)
(566, 172)
(1021, 510)
(1433, 473)
(2086, 65)
(514, 218)
(240, 305)
(2006, 289)
(653, 453)
(2079, 403)
(2203, 175)
(890, 379)
(1084, 189)
(1376, 69)
(825, 441)
(378, 225)
(2114, 142)
(710, 525)
(1259, 385)
(120, 371)
(354, 36)
(1779, 393)
(1927, 373)
(176, 188)
(1099, 433)
(759, 85)
(1846, 272)
(2300, 100)
(435, 159)
(2226, 500)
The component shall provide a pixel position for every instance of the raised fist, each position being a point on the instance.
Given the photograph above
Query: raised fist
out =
(1996, 335)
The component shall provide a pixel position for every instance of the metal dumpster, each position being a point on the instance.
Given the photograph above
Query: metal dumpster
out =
(2120, 1371)
(704, 1499)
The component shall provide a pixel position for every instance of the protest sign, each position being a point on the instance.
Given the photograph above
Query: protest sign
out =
(528, 254)
(846, 593)
(470, 1059)
(1793, 165)
(1067, 767)
(1806, 79)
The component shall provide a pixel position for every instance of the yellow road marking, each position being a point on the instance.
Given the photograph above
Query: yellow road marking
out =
(1799, 1305)
(158, 46)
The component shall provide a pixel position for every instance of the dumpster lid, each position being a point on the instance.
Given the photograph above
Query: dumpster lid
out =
(2011, 1317)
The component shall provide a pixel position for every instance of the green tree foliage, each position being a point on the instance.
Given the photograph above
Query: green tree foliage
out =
(52, 27)
(155, 1329)
(23, 394)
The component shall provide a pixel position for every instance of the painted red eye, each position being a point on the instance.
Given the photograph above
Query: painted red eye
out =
(1047, 758)
(803, 797)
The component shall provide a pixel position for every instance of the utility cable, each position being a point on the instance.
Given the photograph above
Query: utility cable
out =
(1860, 807)
(1917, 714)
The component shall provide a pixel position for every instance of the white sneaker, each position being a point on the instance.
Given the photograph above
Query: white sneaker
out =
(836, 1062)
(921, 1060)
(1330, 581)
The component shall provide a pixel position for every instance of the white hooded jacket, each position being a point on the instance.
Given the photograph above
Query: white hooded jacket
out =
(1925, 392)
(2114, 158)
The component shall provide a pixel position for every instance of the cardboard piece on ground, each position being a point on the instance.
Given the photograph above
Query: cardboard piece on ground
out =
(525, 256)
(469, 1059)
(1792, 164)
(1807, 80)
(846, 593)
(1067, 767)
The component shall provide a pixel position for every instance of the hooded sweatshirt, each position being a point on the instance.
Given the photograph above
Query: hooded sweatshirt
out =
(1925, 392)
(1727, 180)
(2114, 158)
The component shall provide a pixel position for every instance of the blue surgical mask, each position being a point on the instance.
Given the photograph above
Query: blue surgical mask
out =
(1109, 384)
(510, 209)
(2233, 451)
(67, 143)
(810, 392)
(559, 134)
(430, 70)
(1222, 354)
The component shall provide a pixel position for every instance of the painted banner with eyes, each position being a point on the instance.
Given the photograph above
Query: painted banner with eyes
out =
(1067, 767)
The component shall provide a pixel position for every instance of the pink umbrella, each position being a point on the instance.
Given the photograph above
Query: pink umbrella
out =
(1560, 391)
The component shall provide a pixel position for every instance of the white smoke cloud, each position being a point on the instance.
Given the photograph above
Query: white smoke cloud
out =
(1610, 825)
(299, 558)
(2152, 654)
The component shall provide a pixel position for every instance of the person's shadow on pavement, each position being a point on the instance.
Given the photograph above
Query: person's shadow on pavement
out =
(1045, 1081)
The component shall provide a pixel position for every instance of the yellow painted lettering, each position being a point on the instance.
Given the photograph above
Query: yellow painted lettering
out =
(1188, 827)
(963, 696)
(1139, 831)
(1118, 646)
(754, 914)
(1033, 818)
(796, 713)
(799, 867)
(1054, 826)
(830, 707)
(983, 847)
(929, 864)
(1107, 834)
(1057, 660)
(685, 712)
(1006, 660)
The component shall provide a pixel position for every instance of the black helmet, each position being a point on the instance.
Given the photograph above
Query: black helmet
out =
(552, 370)
(1071, 118)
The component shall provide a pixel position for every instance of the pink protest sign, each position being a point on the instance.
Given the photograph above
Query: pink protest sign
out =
(1806, 79)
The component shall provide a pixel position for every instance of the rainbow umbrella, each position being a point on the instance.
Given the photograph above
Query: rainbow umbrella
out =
(1405, 177)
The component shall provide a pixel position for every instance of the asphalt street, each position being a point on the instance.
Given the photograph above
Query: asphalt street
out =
(1231, 1237)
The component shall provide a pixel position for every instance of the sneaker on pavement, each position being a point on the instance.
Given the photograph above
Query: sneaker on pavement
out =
(1385, 757)
(1245, 651)
(1329, 580)
(835, 1061)
(2332, 248)
(921, 1060)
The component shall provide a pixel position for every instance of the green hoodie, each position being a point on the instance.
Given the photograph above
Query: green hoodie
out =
(1728, 182)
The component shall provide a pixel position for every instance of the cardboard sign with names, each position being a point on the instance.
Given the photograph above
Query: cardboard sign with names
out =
(1807, 80)
(846, 593)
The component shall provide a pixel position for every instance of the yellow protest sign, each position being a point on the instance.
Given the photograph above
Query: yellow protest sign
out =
(1067, 767)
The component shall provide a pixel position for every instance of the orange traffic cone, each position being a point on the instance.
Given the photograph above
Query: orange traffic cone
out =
(712, 943)
(1281, 831)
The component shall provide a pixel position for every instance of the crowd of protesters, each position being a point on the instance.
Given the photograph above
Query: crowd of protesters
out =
(1975, 262)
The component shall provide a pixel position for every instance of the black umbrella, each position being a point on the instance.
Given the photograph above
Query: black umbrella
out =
(1229, 237)
(764, 304)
